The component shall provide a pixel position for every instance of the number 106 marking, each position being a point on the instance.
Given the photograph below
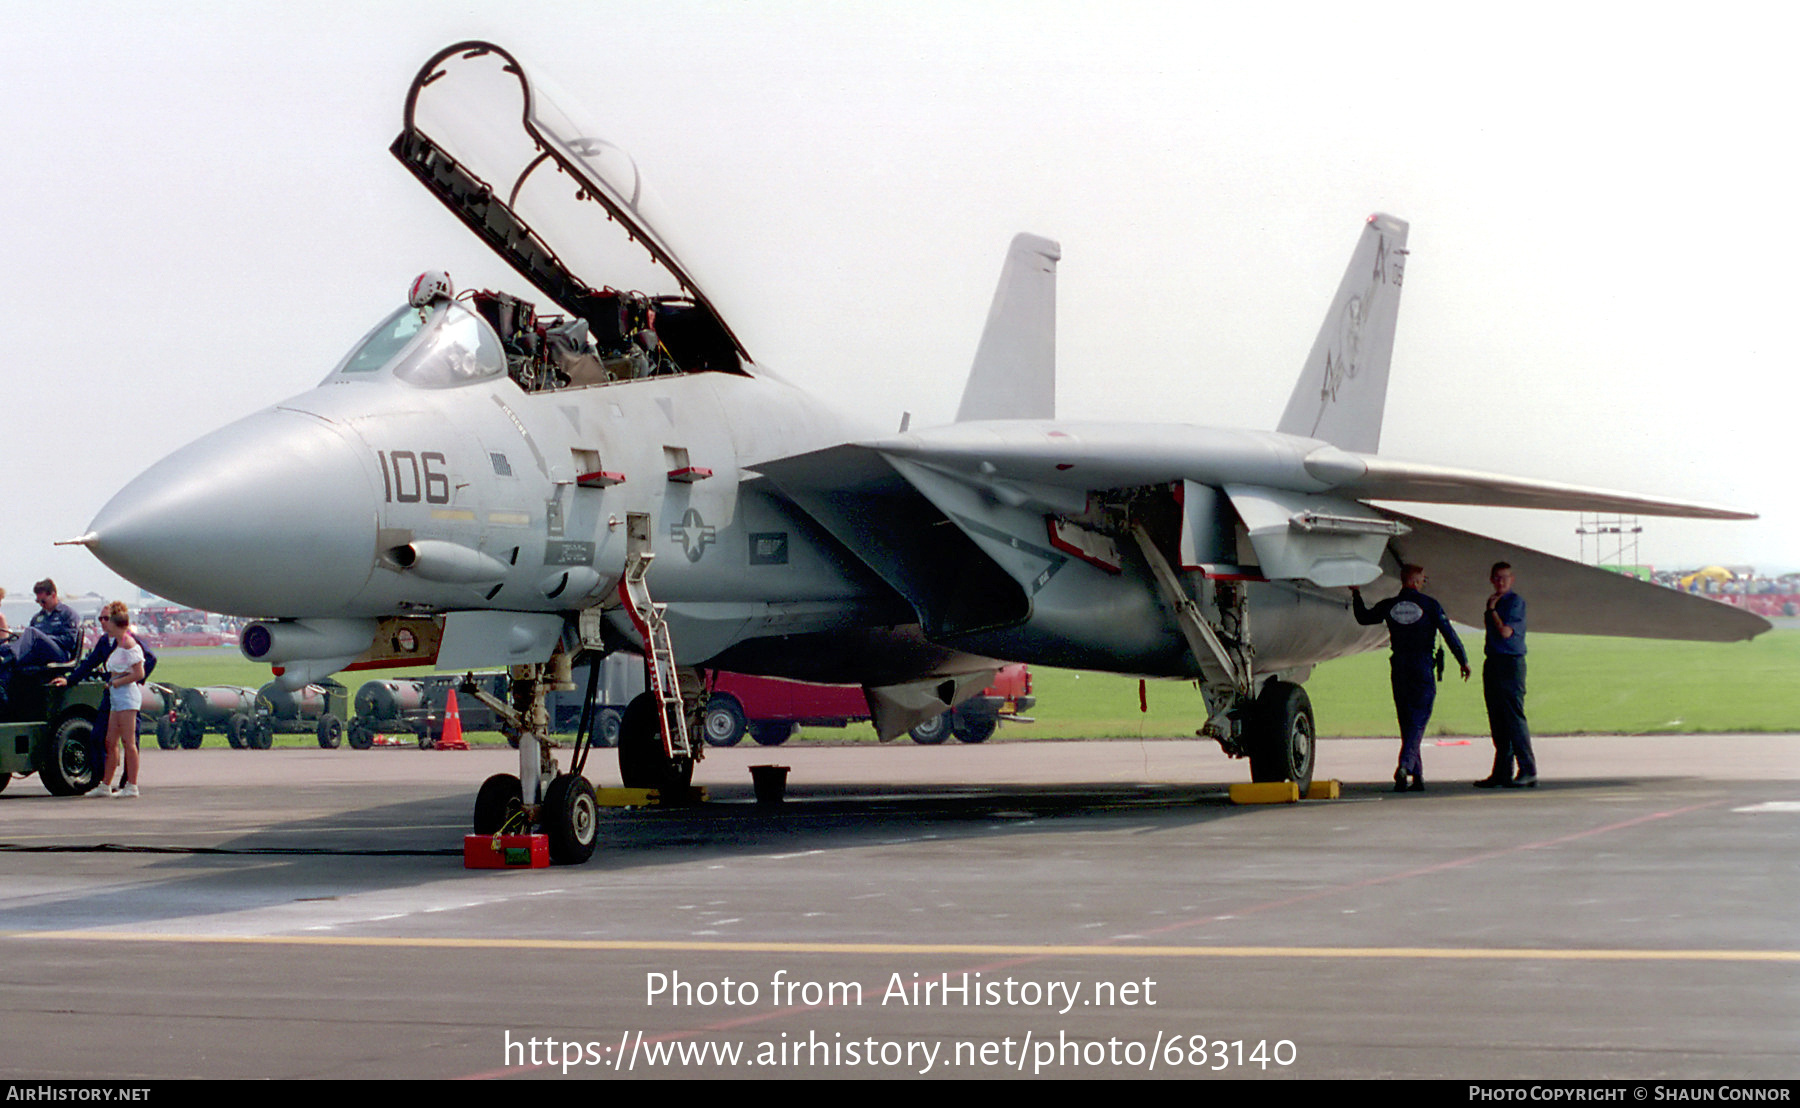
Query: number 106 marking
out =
(404, 475)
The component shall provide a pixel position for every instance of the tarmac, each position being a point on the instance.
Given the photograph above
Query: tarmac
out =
(1097, 909)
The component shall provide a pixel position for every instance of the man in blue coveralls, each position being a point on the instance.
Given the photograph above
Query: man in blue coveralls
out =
(54, 634)
(1413, 621)
(1503, 684)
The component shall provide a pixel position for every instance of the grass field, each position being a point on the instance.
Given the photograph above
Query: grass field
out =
(1577, 684)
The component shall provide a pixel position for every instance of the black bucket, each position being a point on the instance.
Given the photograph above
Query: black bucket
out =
(770, 782)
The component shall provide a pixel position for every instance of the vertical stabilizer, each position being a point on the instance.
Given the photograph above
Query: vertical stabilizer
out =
(1014, 375)
(1343, 389)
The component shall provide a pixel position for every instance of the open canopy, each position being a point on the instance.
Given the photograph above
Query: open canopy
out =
(565, 207)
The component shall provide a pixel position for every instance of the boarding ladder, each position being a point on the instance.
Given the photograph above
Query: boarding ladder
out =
(660, 678)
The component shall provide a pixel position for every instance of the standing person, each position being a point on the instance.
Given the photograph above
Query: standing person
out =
(1503, 685)
(124, 674)
(1414, 621)
(96, 658)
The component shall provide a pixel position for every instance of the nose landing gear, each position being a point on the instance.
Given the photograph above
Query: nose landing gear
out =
(564, 810)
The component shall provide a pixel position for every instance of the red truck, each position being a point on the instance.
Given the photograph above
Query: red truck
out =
(768, 709)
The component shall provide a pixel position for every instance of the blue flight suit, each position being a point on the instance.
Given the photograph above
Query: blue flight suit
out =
(1503, 686)
(1414, 622)
(53, 636)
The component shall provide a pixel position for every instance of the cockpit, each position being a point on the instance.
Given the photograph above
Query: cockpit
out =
(571, 213)
(483, 335)
(439, 346)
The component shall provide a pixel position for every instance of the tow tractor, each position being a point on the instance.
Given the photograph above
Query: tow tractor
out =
(49, 731)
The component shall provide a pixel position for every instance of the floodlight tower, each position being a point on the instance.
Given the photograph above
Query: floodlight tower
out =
(1613, 540)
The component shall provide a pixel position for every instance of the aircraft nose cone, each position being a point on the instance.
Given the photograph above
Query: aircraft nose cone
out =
(273, 515)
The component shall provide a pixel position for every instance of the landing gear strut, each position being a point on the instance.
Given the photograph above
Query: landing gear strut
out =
(655, 751)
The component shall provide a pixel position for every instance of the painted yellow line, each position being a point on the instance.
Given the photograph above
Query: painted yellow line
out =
(1011, 950)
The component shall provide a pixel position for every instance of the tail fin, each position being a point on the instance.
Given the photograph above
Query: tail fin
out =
(1343, 389)
(1014, 375)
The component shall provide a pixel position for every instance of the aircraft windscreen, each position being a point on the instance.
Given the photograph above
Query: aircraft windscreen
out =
(378, 347)
(458, 349)
(573, 214)
(436, 349)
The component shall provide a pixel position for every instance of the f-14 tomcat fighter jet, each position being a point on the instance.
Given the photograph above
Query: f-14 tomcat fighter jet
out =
(481, 481)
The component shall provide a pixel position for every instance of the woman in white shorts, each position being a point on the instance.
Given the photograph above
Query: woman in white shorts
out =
(125, 695)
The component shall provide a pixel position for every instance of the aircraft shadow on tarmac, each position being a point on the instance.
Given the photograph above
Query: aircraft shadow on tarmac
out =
(393, 846)
(387, 847)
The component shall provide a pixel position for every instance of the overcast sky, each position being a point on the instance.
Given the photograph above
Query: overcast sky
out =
(202, 216)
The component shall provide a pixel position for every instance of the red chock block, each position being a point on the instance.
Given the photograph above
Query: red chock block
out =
(506, 851)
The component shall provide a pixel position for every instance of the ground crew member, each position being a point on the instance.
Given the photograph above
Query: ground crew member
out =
(1503, 685)
(1414, 621)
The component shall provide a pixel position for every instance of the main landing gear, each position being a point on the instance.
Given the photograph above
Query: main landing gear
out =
(1267, 720)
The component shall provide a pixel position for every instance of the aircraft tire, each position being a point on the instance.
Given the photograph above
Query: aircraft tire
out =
(1285, 742)
(261, 734)
(933, 731)
(495, 801)
(606, 727)
(724, 723)
(643, 764)
(5, 780)
(65, 760)
(234, 731)
(331, 732)
(978, 730)
(166, 736)
(359, 736)
(193, 733)
(423, 731)
(571, 819)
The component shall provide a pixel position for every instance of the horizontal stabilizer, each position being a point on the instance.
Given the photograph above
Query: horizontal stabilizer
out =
(1563, 597)
(1014, 375)
(1342, 390)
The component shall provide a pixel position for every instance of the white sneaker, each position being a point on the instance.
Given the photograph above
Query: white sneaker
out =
(97, 791)
(128, 790)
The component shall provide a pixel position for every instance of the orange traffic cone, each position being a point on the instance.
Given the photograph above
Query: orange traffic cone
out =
(452, 738)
